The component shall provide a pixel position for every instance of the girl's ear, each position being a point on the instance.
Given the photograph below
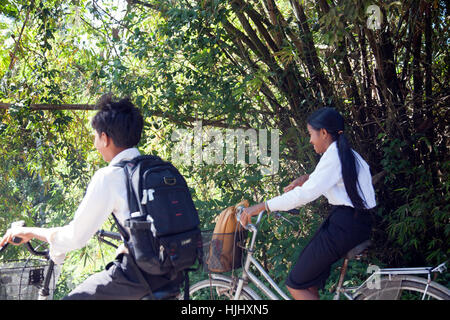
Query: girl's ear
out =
(323, 133)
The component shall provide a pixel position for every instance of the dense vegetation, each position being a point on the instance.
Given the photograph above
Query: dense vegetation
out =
(261, 64)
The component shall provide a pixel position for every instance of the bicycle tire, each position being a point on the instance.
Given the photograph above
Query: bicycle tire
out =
(404, 287)
(215, 289)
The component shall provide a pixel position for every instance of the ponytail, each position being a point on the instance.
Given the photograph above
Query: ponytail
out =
(330, 120)
(349, 171)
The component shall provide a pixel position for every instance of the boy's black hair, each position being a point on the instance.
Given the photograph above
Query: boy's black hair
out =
(119, 120)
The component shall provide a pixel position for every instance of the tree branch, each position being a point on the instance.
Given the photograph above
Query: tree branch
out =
(87, 107)
(53, 106)
(148, 5)
(16, 47)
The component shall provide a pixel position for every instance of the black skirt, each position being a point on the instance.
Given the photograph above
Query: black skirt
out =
(342, 230)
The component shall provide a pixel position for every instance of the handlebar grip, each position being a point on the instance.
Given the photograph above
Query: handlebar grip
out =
(16, 239)
(4, 247)
(109, 234)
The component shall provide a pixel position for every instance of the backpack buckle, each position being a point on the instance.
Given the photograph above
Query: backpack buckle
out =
(170, 180)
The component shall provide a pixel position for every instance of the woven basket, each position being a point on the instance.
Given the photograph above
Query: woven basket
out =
(223, 252)
(22, 279)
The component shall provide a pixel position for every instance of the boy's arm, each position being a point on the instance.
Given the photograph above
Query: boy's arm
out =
(25, 234)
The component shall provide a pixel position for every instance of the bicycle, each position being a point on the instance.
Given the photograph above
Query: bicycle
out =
(37, 278)
(383, 284)
(26, 280)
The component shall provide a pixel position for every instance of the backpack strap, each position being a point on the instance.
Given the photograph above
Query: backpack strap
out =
(132, 178)
(122, 231)
(186, 284)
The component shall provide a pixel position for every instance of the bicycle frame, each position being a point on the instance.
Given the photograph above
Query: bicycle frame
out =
(350, 292)
(248, 275)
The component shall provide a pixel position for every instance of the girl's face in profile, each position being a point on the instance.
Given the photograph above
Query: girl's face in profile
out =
(320, 139)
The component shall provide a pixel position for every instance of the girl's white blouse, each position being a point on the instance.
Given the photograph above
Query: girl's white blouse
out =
(327, 180)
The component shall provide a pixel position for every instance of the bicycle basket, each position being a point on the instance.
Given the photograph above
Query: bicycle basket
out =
(22, 279)
(222, 252)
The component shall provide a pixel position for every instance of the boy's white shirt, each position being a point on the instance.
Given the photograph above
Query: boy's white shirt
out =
(327, 180)
(105, 194)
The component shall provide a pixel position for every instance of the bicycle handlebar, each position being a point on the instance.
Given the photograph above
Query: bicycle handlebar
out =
(252, 227)
(30, 248)
(102, 234)
(109, 234)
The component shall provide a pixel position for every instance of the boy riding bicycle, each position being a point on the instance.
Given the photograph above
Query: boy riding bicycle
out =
(117, 129)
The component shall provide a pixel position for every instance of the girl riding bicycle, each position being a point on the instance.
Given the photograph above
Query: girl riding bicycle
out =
(344, 178)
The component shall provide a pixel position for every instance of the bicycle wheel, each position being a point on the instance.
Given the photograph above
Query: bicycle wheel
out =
(214, 289)
(403, 287)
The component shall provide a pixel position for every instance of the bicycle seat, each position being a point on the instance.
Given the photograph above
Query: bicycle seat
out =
(358, 249)
(165, 293)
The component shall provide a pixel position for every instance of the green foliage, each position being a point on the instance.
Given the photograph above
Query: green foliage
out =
(419, 224)
(239, 64)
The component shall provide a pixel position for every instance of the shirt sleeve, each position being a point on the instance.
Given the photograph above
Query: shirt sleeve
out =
(326, 174)
(94, 209)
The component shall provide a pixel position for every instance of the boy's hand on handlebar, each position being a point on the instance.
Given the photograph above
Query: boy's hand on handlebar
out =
(16, 233)
(296, 183)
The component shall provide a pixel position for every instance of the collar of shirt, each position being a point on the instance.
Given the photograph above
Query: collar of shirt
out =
(332, 146)
(126, 154)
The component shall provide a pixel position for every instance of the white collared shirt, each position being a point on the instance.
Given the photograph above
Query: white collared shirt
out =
(327, 180)
(105, 194)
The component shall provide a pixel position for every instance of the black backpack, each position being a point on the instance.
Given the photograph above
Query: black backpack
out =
(164, 235)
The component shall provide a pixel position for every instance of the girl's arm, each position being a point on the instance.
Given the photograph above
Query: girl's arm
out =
(249, 212)
(296, 183)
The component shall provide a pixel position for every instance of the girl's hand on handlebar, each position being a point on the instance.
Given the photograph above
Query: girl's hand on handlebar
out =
(245, 218)
(296, 183)
(249, 212)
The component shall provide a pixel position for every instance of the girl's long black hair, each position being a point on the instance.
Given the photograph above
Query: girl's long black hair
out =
(329, 119)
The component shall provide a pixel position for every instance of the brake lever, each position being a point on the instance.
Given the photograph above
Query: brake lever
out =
(238, 216)
(279, 216)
